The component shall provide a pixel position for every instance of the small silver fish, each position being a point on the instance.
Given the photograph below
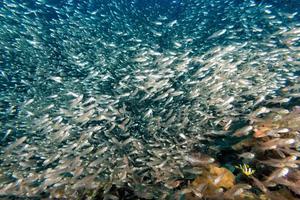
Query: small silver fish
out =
(243, 131)
(196, 159)
(217, 34)
(15, 144)
(247, 155)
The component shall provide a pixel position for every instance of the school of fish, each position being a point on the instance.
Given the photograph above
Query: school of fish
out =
(123, 92)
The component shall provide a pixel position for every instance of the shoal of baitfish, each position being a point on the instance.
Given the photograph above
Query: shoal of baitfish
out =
(112, 93)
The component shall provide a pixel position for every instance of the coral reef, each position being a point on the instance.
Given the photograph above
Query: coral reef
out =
(266, 168)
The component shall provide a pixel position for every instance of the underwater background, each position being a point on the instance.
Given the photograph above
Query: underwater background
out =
(157, 99)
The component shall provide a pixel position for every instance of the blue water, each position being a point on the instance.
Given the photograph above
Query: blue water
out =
(126, 55)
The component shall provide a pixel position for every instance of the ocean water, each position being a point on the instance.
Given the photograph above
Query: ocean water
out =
(100, 94)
